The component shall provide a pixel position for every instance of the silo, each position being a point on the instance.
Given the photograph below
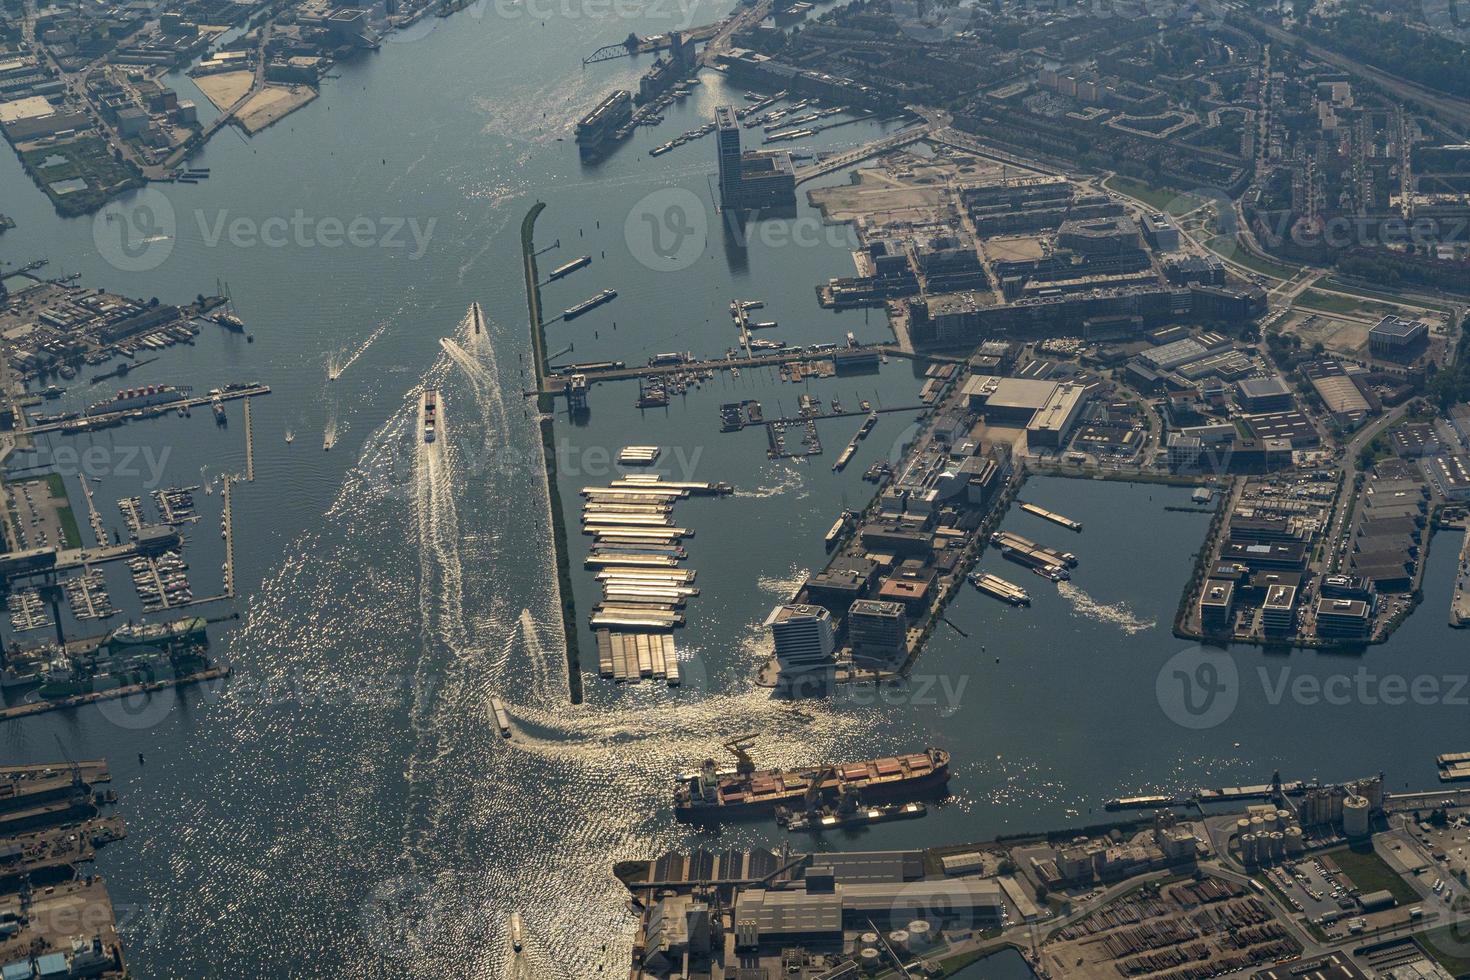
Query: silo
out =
(1258, 826)
(1242, 826)
(1355, 810)
(1268, 821)
(898, 939)
(869, 960)
(1294, 843)
(920, 935)
(1248, 848)
(867, 939)
(1283, 819)
(1278, 845)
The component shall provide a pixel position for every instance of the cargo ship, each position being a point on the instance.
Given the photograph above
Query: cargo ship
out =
(431, 415)
(562, 271)
(145, 397)
(714, 794)
(606, 296)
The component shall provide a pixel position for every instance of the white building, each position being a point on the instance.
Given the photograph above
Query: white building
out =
(804, 639)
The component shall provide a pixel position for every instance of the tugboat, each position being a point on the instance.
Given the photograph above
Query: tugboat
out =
(712, 794)
(431, 416)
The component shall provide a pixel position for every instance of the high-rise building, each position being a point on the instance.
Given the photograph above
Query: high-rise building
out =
(804, 638)
(727, 148)
(877, 631)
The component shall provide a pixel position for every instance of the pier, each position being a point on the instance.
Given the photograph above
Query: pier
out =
(249, 444)
(41, 707)
(595, 373)
(84, 423)
(228, 530)
(99, 529)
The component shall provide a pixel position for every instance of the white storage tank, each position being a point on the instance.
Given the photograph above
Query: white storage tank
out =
(868, 939)
(869, 960)
(920, 934)
(899, 940)
(1355, 811)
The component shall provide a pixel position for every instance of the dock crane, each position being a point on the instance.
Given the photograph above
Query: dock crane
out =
(740, 747)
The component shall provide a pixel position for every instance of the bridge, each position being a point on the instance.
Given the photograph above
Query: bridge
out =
(861, 153)
(647, 45)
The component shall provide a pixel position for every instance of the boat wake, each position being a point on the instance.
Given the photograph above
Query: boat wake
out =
(1120, 614)
(340, 361)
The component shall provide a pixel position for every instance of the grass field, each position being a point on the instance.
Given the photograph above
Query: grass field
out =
(1168, 199)
(1338, 304)
(1227, 248)
(1342, 287)
(1370, 873)
(1446, 945)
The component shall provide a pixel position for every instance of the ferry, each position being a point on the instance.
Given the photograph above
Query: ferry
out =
(431, 419)
(714, 794)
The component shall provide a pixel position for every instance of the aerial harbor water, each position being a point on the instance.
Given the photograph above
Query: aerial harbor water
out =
(345, 804)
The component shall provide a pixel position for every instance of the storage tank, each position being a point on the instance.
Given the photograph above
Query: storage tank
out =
(1248, 848)
(868, 939)
(1355, 810)
(1294, 842)
(1269, 822)
(869, 960)
(1283, 819)
(1242, 826)
(1258, 826)
(899, 940)
(1278, 845)
(920, 934)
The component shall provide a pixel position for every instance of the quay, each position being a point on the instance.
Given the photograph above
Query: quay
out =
(228, 530)
(1226, 794)
(1055, 518)
(89, 422)
(33, 708)
(249, 444)
(598, 372)
(1460, 599)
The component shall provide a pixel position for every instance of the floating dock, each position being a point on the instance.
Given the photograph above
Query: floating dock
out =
(994, 585)
(630, 657)
(1055, 518)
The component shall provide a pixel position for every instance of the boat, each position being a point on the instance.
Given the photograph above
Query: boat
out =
(502, 718)
(835, 818)
(229, 321)
(516, 931)
(145, 397)
(218, 407)
(606, 296)
(431, 414)
(572, 266)
(155, 634)
(290, 437)
(715, 794)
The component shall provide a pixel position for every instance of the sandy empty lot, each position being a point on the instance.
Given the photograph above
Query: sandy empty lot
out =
(225, 88)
